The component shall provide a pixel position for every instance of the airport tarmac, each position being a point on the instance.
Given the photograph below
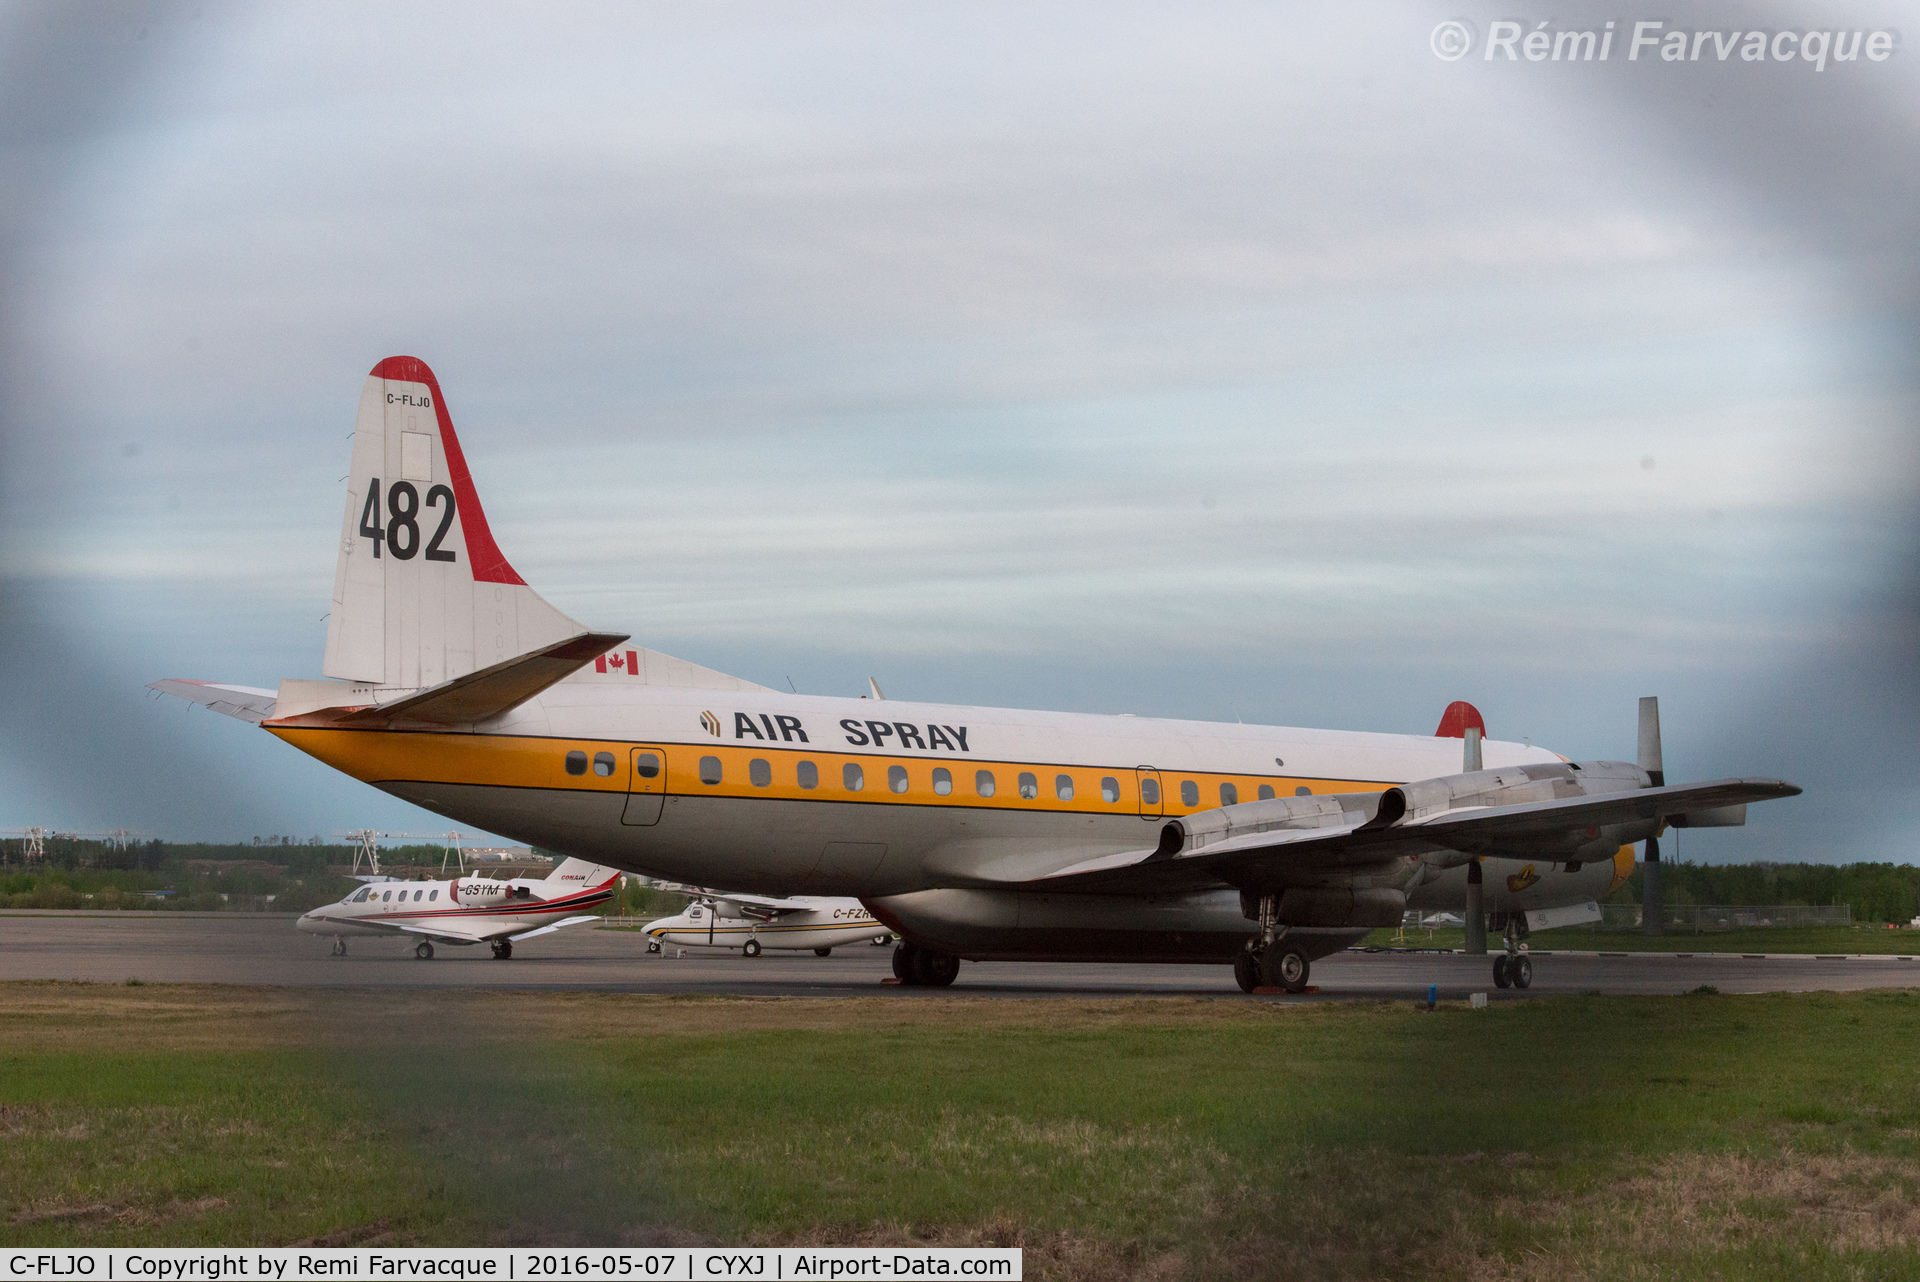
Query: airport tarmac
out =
(161, 948)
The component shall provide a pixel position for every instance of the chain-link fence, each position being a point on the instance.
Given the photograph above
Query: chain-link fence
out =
(1701, 918)
(1693, 919)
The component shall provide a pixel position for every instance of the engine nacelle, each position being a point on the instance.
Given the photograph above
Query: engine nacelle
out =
(482, 892)
(1507, 786)
(1336, 906)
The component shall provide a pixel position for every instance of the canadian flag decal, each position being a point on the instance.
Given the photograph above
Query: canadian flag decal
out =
(628, 663)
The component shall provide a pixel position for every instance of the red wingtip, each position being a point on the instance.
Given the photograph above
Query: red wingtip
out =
(1459, 718)
(483, 554)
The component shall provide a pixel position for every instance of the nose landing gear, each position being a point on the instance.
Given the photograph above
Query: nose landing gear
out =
(339, 945)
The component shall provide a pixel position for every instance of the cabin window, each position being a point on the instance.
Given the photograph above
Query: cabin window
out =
(853, 776)
(647, 766)
(808, 774)
(759, 773)
(1189, 793)
(709, 770)
(1029, 786)
(983, 782)
(942, 780)
(432, 895)
(417, 894)
(1229, 795)
(1063, 787)
(1109, 789)
(896, 778)
(1303, 791)
(1150, 791)
(1266, 792)
(603, 764)
(386, 896)
(576, 763)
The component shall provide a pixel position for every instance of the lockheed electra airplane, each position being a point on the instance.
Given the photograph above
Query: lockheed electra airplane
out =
(466, 910)
(974, 833)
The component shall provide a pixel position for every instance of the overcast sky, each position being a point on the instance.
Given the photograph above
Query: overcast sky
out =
(1231, 361)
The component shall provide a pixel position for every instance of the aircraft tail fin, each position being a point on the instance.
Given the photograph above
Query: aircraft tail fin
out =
(579, 874)
(421, 593)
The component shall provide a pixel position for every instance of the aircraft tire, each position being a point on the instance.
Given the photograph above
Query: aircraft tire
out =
(1500, 977)
(653, 945)
(903, 955)
(423, 950)
(1246, 971)
(934, 970)
(823, 952)
(339, 946)
(881, 941)
(503, 950)
(1520, 970)
(1290, 971)
(751, 948)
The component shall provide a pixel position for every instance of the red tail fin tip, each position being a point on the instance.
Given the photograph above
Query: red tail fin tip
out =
(1459, 718)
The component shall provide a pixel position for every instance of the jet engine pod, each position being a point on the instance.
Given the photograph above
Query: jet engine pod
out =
(1302, 906)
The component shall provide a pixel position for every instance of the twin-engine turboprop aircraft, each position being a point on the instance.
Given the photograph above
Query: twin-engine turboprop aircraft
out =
(466, 910)
(976, 833)
(753, 923)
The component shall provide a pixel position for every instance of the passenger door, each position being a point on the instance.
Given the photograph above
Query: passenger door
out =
(1152, 804)
(646, 787)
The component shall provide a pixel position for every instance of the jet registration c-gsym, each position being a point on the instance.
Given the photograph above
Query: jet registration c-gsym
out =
(973, 833)
(753, 923)
(466, 910)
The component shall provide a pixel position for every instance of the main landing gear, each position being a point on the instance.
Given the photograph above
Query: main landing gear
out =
(339, 945)
(751, 948)
(423, 950)
(922, 967)
(502, 949)
(823, 952)
(1274, 966)
(1268, 960)
(1513, 968)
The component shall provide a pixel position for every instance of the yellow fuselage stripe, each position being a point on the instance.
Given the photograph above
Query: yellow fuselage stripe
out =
(512, 761)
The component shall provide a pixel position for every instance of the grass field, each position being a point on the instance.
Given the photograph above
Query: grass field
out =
(1785, 939)
(1702, 1136)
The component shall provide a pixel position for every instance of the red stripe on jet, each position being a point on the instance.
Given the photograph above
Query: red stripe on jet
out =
(484, 557)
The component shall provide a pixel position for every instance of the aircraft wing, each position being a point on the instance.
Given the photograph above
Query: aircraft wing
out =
(552, 926)
(1537, 829)
(248, 703)
(759, 907)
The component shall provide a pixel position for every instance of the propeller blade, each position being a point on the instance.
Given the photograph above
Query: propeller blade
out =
(1649, 759)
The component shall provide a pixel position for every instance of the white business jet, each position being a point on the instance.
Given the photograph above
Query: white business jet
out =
(974, 833)
(466, 910)
(755, 922)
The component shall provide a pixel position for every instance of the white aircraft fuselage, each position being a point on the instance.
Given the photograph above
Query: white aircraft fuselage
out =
(973, 832)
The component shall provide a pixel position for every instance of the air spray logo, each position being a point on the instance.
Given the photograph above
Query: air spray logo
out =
(1653, 40)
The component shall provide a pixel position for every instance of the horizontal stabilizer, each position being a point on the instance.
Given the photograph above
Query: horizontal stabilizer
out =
(248, 703)
(480, 695)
